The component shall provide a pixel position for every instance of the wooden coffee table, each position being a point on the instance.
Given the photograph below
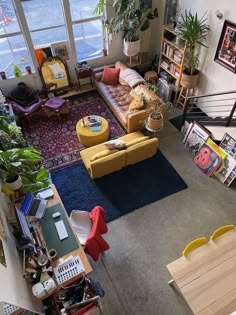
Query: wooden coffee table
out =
(88, 137)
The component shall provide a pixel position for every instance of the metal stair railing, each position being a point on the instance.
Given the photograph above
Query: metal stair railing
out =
(201, 108)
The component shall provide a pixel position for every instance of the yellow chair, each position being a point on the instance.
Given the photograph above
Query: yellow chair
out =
(194, 244)
(221, 230)
(191, 246)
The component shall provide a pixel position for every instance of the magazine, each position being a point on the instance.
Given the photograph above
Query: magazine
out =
(207, 160)
(216, 148)
(229, 145)
(227, 170)
(196, 138)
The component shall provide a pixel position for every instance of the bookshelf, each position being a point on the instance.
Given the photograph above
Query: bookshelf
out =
(172, 55)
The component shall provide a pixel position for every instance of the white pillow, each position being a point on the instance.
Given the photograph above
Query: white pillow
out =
(57, 71)
(131, 77)
(115, 144)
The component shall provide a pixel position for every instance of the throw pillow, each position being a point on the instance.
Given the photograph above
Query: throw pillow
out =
(136, 104)
(102, 154)
(115, 144)
(110, 76)
(135, 141)
(131, 77)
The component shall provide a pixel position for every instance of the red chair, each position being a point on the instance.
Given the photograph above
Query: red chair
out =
(89, 227)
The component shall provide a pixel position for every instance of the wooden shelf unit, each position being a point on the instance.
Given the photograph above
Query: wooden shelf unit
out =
(172, 56)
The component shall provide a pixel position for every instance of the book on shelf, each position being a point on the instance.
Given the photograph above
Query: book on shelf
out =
(177, 56)
(165, 64)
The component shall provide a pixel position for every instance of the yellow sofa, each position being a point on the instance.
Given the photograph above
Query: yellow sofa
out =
(115, 160)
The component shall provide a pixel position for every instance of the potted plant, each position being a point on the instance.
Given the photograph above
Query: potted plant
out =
(19, 165)
(130, 18)
(10, 135)
(194, 30)
(157, 109)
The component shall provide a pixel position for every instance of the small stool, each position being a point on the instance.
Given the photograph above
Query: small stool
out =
(56, 105)
(151, 77)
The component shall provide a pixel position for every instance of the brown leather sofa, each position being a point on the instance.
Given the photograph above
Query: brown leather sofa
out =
(118, 99)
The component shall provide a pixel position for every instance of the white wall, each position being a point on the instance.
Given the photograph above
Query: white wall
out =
(13, 288)
(214, 77)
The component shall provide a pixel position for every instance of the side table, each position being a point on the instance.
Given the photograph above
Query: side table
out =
(87, 137)
(154, 131)
(151, 77)
(83, 73)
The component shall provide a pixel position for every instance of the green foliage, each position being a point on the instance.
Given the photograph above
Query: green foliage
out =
(25, 162)
(5, 141)
(160, 106)
(17, 71)
(35, 180)
(19, 161)
(194, 30)
(130, 17)
(14, 136)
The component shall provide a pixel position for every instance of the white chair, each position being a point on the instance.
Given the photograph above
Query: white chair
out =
(82, 224)
(89, 227)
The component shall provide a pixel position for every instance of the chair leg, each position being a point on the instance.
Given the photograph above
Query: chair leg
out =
(171, 282)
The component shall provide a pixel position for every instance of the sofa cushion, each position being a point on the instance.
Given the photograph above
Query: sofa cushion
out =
(102, 154)
(110, 76)
(131, 77)
(135, 141)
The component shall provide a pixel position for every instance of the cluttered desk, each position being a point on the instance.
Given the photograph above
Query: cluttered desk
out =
(53, 257)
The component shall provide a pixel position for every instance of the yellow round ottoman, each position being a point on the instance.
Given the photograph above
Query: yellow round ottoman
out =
(88, 137)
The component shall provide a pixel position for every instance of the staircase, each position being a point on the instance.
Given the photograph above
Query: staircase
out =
(214, 111)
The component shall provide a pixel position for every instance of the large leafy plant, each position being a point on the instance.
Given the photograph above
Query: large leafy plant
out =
(25, 162)
(194, 30)
(131, 16)
(10, 135)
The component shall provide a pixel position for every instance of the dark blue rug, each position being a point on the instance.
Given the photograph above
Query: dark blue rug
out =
(121, 192)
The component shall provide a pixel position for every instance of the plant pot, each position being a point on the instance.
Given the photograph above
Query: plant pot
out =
(131, 48)
(155, 121)
(189, 81)
(14, 183)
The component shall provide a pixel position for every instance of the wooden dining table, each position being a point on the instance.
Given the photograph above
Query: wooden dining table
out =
(206, 277)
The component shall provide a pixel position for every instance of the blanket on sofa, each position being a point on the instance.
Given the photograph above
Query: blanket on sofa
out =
(131, 77)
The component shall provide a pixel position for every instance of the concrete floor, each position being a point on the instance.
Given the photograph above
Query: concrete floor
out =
(133, 272)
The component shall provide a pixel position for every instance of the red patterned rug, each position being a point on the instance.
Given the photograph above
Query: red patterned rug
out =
(58, 140)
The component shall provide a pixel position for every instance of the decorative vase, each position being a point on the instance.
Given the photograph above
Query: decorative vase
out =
(131, 48)
(155, 121)
(14, 183)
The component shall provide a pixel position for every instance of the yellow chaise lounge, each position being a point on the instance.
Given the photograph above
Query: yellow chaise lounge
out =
(100, 161)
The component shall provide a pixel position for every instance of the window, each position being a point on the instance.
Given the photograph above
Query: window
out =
(42, 23)
(46, 22)
(13, 49)
(87, 29)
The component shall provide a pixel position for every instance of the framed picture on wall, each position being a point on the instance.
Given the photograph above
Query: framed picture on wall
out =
(226, 50)
(61, 50)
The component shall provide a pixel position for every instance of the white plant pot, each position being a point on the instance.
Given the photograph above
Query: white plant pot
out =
(131, 48)
(14, 185)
